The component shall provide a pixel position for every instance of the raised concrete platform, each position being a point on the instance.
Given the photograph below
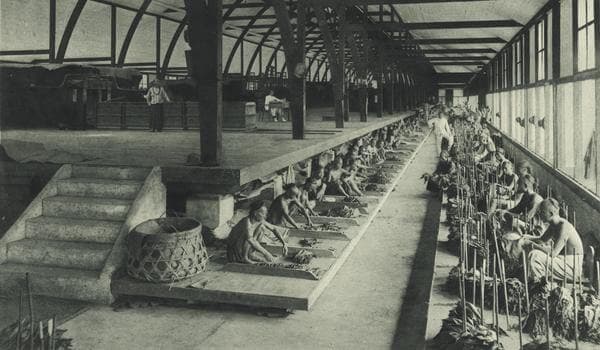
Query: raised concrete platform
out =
(246, 155)
(221, 285)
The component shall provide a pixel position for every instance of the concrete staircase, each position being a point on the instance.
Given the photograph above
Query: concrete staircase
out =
(77, 241)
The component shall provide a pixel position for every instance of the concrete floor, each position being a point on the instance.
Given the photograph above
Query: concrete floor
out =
(366, 305)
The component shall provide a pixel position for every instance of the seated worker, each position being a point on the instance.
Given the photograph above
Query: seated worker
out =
(306, 197)
(487, 148)
(374, 152)
(530, 201)
(445, 165)
(280, 210)
(524, 168)
(244, 241)
(335, 177)
(560, 236)
(506, 186)
(318, 184)
(496, 160)
(439, 179)
(353, 157)
(271, 105)
(364, 155)
(351, 179)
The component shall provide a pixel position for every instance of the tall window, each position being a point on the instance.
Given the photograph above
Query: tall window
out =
(585, 35)
(505, 71)
(518, 50)
(540, 49)
(497, 74)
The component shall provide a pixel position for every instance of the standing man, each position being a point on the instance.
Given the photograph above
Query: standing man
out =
(156, 97)
(276, 111)
(441, 128)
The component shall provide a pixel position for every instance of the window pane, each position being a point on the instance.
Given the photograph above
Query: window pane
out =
(590, 10)
(566, 125)
(581, 16)
(581, 50)
(591, 55)
(588, 119)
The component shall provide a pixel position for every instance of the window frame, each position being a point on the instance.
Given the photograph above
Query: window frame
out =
(541, 45)
(519, 58)
(577, 28)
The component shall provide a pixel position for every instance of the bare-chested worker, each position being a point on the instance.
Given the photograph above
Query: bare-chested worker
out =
(335, 176)
(244, 241)
(280, 213)
(306, 197)
(528, 206)
(506, 187)
(351, 178)
(318, 184)
(560, 235)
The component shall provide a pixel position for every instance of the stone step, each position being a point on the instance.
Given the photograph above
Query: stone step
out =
(86, 208)
(69, 229)
(110, 172)
(75, 255)
(57, 282)
(99, 188)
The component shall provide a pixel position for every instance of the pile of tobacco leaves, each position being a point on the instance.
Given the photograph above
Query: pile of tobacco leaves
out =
(477, 336)
(380, 177)
(351, 199)
(292, 266)
(371, 187)
(341, 212)
(395, 157)
(561, 311)
(8, 337)
(330, 226)
(309, 242)
(303, 257)
(589, 318)
(514, 288)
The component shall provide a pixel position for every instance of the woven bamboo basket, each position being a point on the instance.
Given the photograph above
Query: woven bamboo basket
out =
(166, 250)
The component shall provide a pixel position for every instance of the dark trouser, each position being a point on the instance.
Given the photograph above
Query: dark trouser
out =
(156, 118)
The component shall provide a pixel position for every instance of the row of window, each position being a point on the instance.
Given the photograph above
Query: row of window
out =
(511, 67)
(566, 139)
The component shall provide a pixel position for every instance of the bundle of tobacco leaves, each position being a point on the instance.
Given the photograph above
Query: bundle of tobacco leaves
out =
(303, 257)
(395, 156)
(8, 336)
(513, 288)
(292, 266)
(562, 318)
(380, 177)
(371, 187)
(535, 323)
(341, 212)
(309, 242)
(351, 199)
(589, 318)
(477, 334)
(329, 226)
(544, 346)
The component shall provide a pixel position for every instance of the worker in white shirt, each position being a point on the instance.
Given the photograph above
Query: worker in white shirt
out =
(156, 97)
(442, 130)
(276, 112)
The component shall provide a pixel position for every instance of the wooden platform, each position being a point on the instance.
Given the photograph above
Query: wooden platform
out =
(247, 155)
(232, 285)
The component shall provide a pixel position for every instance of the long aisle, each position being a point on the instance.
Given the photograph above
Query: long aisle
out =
(376, 301)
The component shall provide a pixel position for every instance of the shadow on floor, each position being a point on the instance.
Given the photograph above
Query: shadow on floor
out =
(412, 324)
